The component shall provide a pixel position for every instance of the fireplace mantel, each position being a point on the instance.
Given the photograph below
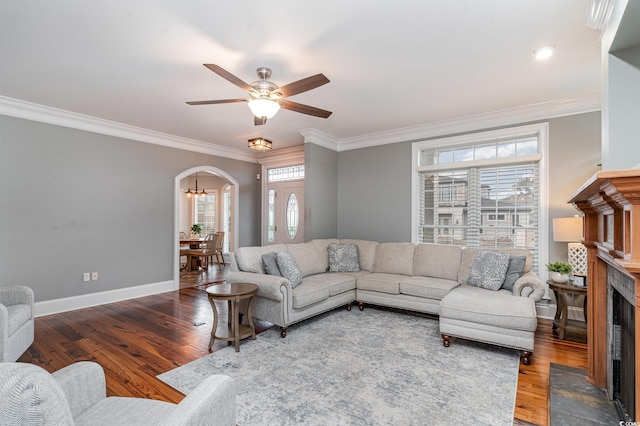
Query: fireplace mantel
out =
(610, 201)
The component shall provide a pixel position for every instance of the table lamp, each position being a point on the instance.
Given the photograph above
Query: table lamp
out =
(569, 230)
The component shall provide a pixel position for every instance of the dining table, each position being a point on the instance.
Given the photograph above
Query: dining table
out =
(194, 243)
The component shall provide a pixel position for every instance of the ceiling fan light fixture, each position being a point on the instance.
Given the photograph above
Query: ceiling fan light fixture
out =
(259, 144)
(264, 107)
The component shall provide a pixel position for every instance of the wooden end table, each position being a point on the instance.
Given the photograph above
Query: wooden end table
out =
(233, 293)
(561, 322)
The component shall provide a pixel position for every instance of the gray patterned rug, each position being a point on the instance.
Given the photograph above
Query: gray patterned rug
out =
(376, 367)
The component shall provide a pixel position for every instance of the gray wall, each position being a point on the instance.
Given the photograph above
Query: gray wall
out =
(74, 201)
(374, 184)
(320, 189)
(374, 193)
(574, 153)
(621, 148)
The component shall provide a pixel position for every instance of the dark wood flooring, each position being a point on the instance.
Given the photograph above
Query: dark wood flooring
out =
(137, 339)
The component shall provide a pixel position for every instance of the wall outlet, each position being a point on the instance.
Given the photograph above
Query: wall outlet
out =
(94, 276)
(86, 276)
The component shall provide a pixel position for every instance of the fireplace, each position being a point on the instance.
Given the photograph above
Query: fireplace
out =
(610, 201)
(621, 324)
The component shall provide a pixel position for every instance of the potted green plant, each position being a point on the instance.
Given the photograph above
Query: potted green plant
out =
(196, 229)
(559, 271)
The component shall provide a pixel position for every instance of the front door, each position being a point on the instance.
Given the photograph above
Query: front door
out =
(285, 212)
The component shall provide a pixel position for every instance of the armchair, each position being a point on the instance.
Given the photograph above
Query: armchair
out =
(16, 321)
(76, 395)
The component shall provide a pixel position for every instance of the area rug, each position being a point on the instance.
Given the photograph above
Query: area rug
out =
(376, 367)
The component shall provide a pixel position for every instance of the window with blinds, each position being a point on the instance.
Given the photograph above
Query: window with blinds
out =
(480, 192)
(205, 212)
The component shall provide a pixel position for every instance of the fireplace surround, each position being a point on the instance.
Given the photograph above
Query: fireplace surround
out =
(610, 201)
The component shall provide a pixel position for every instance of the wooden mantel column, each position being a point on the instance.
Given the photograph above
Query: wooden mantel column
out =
(610, 201)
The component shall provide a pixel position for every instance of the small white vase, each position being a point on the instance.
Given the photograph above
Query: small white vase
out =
(559, 278)
(195, 236)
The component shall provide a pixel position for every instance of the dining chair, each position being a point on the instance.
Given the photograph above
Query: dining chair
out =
(204, 253)
(219, 246)
(183, 249)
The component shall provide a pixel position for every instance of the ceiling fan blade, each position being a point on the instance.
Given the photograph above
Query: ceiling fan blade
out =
(219, 101)
(229, 77)
(259, 121)
(304, 109)
(302, 85)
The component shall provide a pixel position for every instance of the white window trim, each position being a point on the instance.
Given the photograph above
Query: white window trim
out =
(542, 131)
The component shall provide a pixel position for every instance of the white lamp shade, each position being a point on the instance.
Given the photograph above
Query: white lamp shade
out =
(264, 107)
(567, 229)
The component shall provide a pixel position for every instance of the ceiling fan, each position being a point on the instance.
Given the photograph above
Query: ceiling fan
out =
(266, 98)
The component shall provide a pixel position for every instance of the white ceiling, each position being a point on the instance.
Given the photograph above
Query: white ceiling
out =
(392, 64)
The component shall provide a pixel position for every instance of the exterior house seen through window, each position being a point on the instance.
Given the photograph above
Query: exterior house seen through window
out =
(479, 191)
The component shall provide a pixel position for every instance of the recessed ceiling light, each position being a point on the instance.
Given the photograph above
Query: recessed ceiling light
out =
(544, 52)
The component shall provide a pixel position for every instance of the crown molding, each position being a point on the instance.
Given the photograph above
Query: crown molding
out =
(541, 111)
(281, 156)
(529, 113)
(319, 138)
(44, 114)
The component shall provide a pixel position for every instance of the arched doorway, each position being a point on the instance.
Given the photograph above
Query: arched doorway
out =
(232, 188)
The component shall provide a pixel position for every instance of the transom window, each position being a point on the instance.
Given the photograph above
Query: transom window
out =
(281, 174)
(480, 190)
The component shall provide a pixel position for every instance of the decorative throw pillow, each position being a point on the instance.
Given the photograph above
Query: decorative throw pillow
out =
(514, 271)
(289, 268)
(270, 263)
(488, 270)
(343, 258)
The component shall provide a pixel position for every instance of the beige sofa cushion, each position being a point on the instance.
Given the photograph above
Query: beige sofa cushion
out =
(437, 261)
(336, 282)
(323, 252)
(394, 258)
(469, 254)
(428, 287)
(308, 293)
(383, 283)
(309, 259)
(366, 252)
(494, 308)
(249, 259)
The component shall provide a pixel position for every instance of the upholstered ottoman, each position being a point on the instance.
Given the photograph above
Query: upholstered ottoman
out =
(495, 317)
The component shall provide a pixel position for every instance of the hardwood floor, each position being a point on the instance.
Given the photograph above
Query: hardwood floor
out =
(137, 339)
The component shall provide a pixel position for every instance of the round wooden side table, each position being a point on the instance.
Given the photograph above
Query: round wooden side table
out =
(233, 293)
(561, 322)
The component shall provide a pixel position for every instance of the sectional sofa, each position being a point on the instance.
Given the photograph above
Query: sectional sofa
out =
(427, 278)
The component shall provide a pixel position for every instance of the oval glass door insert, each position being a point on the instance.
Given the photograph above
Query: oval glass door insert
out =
(292, 216)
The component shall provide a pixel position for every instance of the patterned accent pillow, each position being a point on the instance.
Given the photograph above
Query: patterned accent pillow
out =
(289, 268)
(488, 270)
(270, 263)
(343, 258)
(514, 271)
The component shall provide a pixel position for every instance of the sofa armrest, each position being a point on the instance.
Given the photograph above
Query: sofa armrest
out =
(529, 285)
(83, 384)
(16, 295)
(269, 286)
(212, 402)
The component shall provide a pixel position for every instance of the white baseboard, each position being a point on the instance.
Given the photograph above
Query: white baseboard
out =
(48, 307)
(545, 309)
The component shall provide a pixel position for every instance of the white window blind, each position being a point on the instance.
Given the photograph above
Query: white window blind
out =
(480, 193)
(205, 212)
